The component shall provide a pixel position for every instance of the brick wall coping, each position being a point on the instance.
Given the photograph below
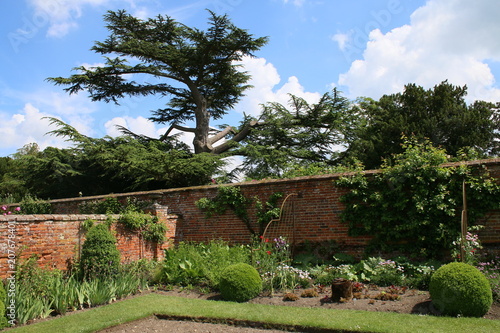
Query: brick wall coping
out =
(53, 217)
(159, 193)
(61, 217)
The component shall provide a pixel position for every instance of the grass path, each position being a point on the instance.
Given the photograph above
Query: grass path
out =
(335, 320)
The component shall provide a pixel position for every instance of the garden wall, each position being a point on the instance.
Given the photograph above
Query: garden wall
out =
(314, 209)
(56, 239)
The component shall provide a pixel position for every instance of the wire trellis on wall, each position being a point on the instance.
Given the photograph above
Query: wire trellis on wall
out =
(284, 225)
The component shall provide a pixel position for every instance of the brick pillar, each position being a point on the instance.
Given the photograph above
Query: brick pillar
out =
(161, 212)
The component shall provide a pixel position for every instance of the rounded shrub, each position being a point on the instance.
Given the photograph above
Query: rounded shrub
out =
(240, 283)
(460, 289)
(100, 257)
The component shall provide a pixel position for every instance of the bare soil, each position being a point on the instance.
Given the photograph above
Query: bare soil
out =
(370, 299)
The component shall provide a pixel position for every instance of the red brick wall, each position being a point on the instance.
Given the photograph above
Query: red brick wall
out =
(316, 215)
(57, 239)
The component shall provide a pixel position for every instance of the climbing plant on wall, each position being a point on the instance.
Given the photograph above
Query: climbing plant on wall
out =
(230, 197)
(414, 203)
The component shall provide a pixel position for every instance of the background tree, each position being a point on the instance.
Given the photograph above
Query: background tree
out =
(439, 114)
(108, 165)
(11, 188)
(300, 135)
(197, 69)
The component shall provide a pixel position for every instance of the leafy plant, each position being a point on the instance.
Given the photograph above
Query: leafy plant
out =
(272, 258)
(199, 263)
(33, 205)
(100, 291)
(491, 270)
(267, 211)
(231, 197)
(471, 246)
(227, 197)
(459, 289)
(3, 299)
(112, 205)
(413, 203)
(147, 225)
(240, 283)
(99, 256)
(29, 307)
(380, 272)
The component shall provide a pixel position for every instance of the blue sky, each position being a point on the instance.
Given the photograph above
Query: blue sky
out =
(362, 47)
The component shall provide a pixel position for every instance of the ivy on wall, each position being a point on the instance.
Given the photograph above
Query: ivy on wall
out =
(413, 205)
(146, 225)
(230, 197)
(131, 216)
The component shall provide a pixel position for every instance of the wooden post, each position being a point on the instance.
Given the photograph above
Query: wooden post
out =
(464, 223)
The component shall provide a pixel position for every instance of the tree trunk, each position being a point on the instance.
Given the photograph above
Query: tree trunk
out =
(200, 142)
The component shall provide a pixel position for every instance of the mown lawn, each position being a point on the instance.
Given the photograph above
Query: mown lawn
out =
(336, 320)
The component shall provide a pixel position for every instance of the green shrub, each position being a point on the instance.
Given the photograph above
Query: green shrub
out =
(460, 289)
(200, 263)
(33, 205)
(146, 224)
(240, 283)
(100, 257)
(3, 297)
(3, 293)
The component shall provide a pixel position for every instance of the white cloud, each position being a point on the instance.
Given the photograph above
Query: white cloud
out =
(62, 16)
(265, 79)
(341, 39)
(27, 126)
(144, 126)
(75, 109)
(139, 125)
(445, 40)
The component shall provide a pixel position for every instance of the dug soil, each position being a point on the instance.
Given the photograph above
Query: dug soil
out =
(370, 299)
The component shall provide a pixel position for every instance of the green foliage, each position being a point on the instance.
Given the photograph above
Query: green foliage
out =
(198, 68)
(108, 165)
(316, 169)
(112, 205)
(459, 289)
(303, 136)
(231, 197)
(3, 299)
(413, 204)
(227, 197)
(41, 292)
(240, 283)
(267, 211)
(33, 205)
(470, 244)
(199, 263)
(272, 258)
(490, 267)
(86, 225)
(3, 293)
(99, 257)
(147, 225)
(439, 114)
(379, 271)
